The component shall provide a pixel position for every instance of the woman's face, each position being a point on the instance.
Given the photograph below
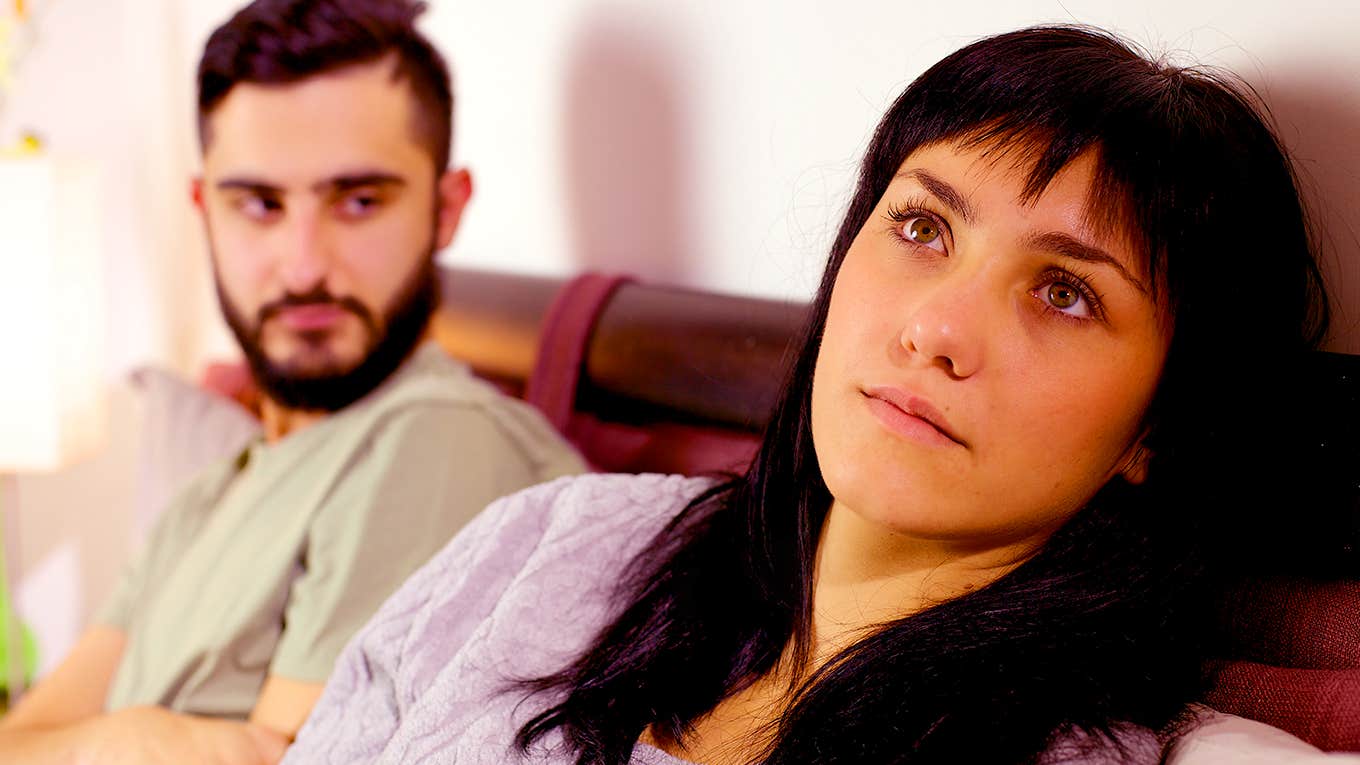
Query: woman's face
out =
(986, 361)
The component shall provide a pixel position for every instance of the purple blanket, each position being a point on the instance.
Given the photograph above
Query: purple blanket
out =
(520, 592)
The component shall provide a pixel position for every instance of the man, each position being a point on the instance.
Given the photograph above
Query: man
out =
(325, 130)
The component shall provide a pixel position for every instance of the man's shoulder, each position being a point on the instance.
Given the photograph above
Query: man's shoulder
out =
(431, 381)
(431, 376)
(438, 401)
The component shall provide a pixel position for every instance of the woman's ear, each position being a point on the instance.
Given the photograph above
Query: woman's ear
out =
(1135, 464)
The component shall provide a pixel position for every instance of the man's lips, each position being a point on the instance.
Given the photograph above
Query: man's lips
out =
(910, 414)
(313, 317)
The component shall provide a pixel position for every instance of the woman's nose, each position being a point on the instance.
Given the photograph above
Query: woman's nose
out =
(945, 326)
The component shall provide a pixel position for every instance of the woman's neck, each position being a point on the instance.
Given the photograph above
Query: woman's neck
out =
(868, 574)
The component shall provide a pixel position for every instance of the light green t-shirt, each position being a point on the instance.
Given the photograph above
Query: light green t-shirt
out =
(266, 564)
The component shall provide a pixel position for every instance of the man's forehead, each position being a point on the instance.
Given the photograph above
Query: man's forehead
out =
(358, 117)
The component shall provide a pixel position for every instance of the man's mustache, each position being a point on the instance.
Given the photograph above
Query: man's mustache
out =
(319, 296)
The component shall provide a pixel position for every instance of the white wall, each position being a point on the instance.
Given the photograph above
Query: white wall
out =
(103, 82)
(708, 143)
(713, 143)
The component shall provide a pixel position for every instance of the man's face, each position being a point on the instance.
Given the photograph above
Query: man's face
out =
(323, 214)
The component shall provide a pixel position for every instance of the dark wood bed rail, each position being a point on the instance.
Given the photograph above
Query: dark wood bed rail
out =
(696, 355)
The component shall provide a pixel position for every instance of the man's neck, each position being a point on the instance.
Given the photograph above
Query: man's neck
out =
(279, 420)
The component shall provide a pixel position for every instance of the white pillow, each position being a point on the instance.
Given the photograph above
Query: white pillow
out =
(1223, 739)
(184, 429)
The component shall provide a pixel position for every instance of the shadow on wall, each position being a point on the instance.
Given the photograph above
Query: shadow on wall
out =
(1319, 119)
(628, 189)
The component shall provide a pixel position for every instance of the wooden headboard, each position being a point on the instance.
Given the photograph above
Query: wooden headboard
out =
(672, 352)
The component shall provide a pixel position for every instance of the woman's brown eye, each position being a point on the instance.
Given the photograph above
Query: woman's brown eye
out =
(1063, 295)
(922, 230)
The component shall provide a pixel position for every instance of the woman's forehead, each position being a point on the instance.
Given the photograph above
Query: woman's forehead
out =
(1106, 214)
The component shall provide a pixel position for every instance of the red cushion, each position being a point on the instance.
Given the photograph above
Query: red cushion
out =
(1294, 649)
(1320, 706)
(661, 447)
(232, 379)
(1294, 622)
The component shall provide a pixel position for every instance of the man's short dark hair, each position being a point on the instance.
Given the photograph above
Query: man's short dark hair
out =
(276, 42)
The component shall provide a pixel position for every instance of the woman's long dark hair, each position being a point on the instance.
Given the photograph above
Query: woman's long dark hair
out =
(1103, 628)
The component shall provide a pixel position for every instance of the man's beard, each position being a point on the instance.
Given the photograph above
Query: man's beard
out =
(330, 390)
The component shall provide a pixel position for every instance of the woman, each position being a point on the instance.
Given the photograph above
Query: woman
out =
(978, 527)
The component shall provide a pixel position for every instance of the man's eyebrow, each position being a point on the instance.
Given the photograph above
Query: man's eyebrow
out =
(329, 185)
(942, 191)
(254, 185)
(1067, 246)
(357, 180)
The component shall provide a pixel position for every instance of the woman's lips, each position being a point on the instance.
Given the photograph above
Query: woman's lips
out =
(911, 416)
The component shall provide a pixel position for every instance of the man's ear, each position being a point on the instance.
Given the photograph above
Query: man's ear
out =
(1135, 464)
(455, 188)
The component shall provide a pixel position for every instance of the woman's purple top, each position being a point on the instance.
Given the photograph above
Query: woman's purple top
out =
(523, 590)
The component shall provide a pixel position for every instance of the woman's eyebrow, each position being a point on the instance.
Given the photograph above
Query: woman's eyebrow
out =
(1068, 246)
(1063, 245)
(940, 189)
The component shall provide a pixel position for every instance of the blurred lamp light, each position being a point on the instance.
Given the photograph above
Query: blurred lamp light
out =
(52, 402)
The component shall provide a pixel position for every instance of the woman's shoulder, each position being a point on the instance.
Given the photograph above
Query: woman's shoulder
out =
(605, 518)
(529, 582)
(521, 559)
(603, 513)
(604, 502)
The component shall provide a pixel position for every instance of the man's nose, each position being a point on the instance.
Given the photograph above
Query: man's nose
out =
(306, 252)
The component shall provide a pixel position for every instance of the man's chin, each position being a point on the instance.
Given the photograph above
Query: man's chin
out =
(315, 363)
(316, 352)
(327, 389)
(331, 370)
(316, 378)
(327, 377)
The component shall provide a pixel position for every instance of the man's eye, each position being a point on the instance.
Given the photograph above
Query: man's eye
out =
(259, 208)
(359, 205)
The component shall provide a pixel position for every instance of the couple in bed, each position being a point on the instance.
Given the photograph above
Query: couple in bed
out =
(980, 527)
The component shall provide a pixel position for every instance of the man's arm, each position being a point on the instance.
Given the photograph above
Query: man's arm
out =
(62, 721)
(144, 736)
(284, 704)
(76, 689)
(45, 725)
